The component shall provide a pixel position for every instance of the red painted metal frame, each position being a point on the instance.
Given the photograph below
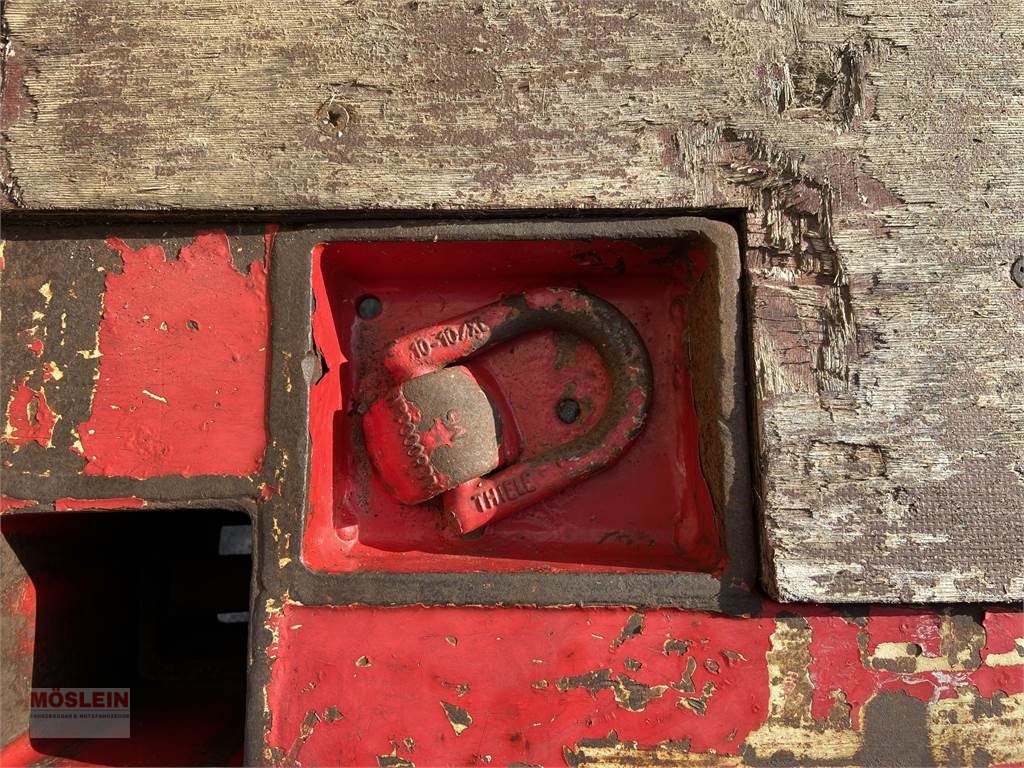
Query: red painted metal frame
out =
(526, 685)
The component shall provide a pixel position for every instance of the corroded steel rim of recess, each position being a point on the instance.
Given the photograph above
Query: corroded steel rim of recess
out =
(722, 413)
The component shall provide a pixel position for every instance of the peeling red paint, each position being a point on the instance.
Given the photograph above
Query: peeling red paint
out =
(183, 369)
(846, 661)
(529, 680)
(35, 347)
(1004, 632)
(8, 504)
(533, 680)
(895, 625)
(29, 417)
(68, 504)
(886, 625)
(525, 677)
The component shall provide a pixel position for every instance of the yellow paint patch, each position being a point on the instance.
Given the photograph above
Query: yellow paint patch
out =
(626, 753)
(790, 724)
(1014, 658)
(95, 351)
(922, 663)
(958, 727)
(46, 292)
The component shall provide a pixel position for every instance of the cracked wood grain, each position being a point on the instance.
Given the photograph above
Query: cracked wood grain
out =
(876, 150)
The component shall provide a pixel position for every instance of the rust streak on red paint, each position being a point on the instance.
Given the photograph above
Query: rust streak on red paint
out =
(20, 603)
(1002, 658)
(8, 504)
(29, 417)
(268, 491)
(69, 504)
(269, 234)
(182, 377)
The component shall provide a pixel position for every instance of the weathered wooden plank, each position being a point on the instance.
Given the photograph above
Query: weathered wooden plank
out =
(877, 149)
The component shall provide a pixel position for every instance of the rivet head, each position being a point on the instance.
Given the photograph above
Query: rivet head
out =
(567, 410)
(369, 307)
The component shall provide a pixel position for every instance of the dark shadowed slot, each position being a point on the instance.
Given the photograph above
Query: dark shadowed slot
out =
(154, 602)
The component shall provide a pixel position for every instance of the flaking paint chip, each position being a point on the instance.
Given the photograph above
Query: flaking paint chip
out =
(153, 395)
(458, 718)
(363, 661)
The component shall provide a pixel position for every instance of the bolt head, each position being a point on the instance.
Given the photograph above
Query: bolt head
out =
(567, 410)
(369, 307)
